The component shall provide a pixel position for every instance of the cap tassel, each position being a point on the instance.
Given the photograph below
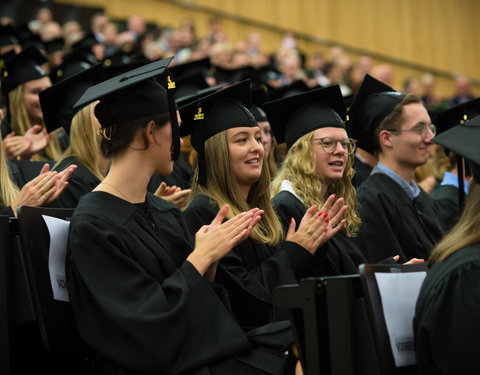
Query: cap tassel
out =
(171, 84)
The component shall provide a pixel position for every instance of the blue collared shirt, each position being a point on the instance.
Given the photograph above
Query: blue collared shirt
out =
(411, 189)
(450, 179)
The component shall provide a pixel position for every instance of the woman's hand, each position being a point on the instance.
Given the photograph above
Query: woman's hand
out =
(411, 261)
(43, 189)
(15, 146)
(39, 138)
(174, 195)
(213, 241)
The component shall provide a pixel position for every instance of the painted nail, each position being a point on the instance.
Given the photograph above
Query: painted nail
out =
(325, 214)
(320, 214)
(327, 220)
(325, 230)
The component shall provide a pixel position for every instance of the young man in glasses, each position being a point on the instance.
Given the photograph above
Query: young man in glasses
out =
(398, 217)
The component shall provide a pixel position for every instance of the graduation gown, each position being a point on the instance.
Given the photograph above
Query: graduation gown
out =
(251, 270)
(362, 171)
(446, 316)
(138, 303)
(447, 204)
(338, 256)
(393, 224)
(80, 183)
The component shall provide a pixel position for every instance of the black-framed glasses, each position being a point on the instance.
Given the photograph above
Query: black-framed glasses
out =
(329, 144)
(420, 130)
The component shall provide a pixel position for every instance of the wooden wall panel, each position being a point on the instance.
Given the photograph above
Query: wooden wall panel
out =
(439, 34)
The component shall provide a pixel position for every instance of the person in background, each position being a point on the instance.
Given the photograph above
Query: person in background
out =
(448, 305)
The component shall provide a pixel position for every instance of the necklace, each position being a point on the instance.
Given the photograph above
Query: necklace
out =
(123, 195)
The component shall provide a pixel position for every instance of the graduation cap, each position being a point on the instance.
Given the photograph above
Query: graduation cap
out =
(201, 66)
(259, 97)
(54, 45)
(142, 93)
(120, 63)
(28, 38)
(72, 64)
(184, 100)
(457, 115)
(373, 102)
(189, 84)
(8, 36)
(214, 113)
(21, 68)
(57, 101)
(295, 88)
(86, 43)
(464, 139)
(293, 117)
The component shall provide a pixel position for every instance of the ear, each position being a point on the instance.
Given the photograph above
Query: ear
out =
(150, 131)
(386, 138)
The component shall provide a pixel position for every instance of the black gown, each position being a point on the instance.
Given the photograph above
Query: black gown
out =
(338, 256)
(448, 205)
(139, 304)
(392, 224)
(251, 270)
(17, 177)
(80, 183)
(362, 171)
(446, 323)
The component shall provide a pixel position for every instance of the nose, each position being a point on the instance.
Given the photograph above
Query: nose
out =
(339, 148)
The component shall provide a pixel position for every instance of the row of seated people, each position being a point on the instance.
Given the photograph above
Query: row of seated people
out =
(146, 265)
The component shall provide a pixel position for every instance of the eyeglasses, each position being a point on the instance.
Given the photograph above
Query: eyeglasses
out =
(329, 144)
(420, 130)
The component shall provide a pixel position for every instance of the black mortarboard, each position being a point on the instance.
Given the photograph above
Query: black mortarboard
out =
(54, 45)
(463, 139)
(57, 101)
(121, 62)
(189, 84)
(21, 68)
(293, 117)
(373, 102)
(142, 93)
(259, 97)
(457, 115)
(214, 113)
(28, 38)
(295, 88)
(84, 47)
(184, 100)
(72, 64)
(201, 66)
(8, 36)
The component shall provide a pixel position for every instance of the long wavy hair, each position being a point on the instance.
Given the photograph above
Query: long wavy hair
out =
(222, 188)
(20, 123)
(84, 141)
(8, 189)
(299, 168)
(466, 232)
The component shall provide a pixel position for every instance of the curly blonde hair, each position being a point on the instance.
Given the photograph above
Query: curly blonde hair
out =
(299, 168)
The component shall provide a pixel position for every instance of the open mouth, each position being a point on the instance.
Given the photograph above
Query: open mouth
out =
(253, 161)
(337, 164)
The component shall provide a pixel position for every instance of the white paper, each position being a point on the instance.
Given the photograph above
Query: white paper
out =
(58, 230)
(399, 293)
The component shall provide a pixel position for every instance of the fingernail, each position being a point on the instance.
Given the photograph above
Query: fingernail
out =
(325, 214)
(325, 230)
(320, 214)
(291, 220)
(327, 220)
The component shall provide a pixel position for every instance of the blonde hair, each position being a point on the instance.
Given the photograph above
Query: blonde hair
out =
(8, 189)
(271, 163)
(222, 188)
(84, 143)
(466, 232)
(20, 123)
(299, 168)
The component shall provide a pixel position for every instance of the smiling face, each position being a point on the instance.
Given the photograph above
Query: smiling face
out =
(329, 166)
(246, 154)
(31, 99)
(409, 147)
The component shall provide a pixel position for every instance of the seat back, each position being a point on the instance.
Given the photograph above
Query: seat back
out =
(391, 292)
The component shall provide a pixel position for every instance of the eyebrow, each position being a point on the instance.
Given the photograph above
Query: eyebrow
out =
(243, 133)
